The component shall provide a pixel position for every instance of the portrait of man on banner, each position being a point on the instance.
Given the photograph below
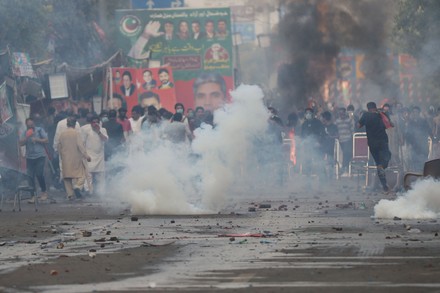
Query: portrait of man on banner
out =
(190, 41)
(144, 87)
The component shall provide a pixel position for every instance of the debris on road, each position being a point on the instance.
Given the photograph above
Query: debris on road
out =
(86, 233)
(264, 206)
(345, 205)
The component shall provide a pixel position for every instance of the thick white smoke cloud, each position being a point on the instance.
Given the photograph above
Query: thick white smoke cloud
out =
(421, 202)
(164, 178)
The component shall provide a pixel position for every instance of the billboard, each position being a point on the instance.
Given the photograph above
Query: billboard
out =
(195, 43)
(143, 86)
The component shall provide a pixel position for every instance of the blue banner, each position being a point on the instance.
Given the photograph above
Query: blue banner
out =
(246, 29)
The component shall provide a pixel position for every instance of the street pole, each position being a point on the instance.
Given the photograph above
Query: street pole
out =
(237, 41)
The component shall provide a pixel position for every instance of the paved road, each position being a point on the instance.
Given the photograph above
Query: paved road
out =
(314, 241)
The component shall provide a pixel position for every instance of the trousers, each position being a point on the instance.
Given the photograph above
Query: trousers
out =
(73, 183)
(35, 168)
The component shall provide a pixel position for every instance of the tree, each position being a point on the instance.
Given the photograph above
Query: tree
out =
(76, 32)
(23, 26)
(417, 32)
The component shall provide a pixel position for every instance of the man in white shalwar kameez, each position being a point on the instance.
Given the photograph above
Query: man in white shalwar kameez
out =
(94, 137)
(61, 127)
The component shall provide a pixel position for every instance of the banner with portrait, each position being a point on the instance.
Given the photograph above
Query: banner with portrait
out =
(21, 65)
(5, 106)
(195, 43)
(143, 86)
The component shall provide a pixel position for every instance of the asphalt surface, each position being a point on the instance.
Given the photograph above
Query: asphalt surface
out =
(318, 239)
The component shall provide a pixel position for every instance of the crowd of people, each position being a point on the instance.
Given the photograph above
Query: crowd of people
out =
(79, 144)
(404, 137)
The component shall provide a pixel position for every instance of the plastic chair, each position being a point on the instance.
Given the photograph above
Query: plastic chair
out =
(25, 186)
(360, 153)
(16, 183)
(395, 170)
(430, 169)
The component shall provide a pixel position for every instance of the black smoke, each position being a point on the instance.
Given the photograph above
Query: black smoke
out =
(314, 32)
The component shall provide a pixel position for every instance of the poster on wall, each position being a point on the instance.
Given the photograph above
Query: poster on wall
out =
(143, 86)
(5, 107)
(58, 86)
(195, 43)
(21, 65)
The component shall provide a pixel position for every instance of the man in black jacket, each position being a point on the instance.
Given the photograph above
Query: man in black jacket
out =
(115, 134)
(312, 133)
(377, 141)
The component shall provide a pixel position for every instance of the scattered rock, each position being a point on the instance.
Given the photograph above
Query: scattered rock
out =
(251, 209)
(264, 206)
(282, 207)
(86, 233)
(53, 272)
(172, 221)
(60, 245)
(134, 218)
(397, 219)
(232, 239)
(108, 233)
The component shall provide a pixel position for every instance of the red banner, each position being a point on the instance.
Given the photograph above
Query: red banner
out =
(143, 86)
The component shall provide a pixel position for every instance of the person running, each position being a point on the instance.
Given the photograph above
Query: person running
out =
(377, 141)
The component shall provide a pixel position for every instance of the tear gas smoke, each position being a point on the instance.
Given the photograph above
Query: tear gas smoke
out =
(224, 148)
(159, 177)
(314, 32)
(421, 202)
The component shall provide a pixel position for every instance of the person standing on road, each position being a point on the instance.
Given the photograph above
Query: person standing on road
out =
(115, 133)
(72, 152)
(312, 132)
(95, 137)
(34, 139)
(345, 126)
(417, 134)
(377, 141)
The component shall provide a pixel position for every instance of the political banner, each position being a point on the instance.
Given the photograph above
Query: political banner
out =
(5, 107)
(195, 43)
(21, 65)
(143, 86)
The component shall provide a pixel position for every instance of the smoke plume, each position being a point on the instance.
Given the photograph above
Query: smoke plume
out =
(421, 202)
(160, 177)
(314, 32)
